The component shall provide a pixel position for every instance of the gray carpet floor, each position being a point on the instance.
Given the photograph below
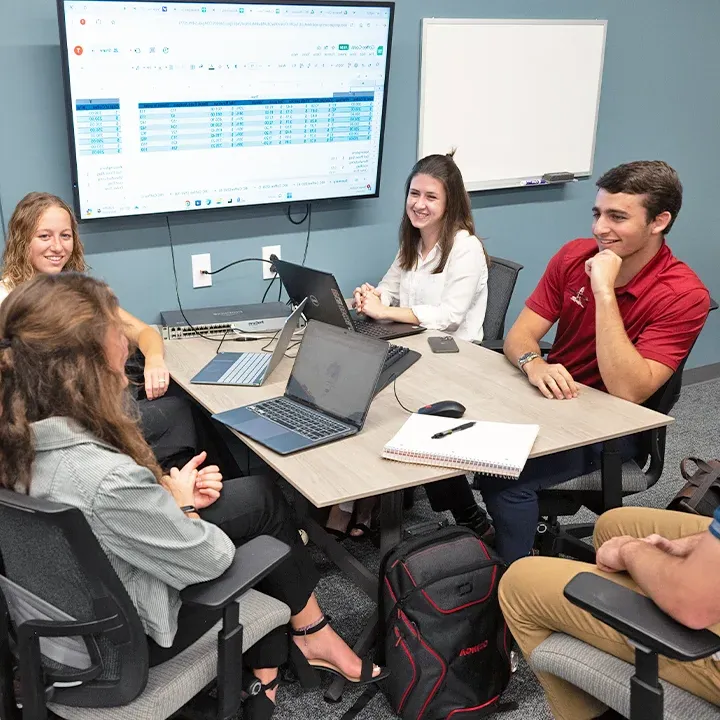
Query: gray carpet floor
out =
(695, 432)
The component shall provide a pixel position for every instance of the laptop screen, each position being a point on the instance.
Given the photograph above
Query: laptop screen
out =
(336, 371)
(324, 303)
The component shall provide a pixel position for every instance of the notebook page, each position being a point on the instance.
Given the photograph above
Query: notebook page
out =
(495, 448)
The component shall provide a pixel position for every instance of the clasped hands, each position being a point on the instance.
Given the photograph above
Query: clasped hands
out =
(193, 485)
(366, 300)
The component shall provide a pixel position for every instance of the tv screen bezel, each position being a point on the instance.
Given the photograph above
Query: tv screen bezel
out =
(67, 92)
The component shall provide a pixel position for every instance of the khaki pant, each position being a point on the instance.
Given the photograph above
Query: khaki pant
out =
(531, 597)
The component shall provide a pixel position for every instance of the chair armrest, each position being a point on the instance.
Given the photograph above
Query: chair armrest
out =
(639, 619)
(252, 562)
(496, 345)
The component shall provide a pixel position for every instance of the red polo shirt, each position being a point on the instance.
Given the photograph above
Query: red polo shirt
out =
(663, 309)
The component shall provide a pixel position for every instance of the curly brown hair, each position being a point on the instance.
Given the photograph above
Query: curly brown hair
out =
(16, 265)
(53, 364)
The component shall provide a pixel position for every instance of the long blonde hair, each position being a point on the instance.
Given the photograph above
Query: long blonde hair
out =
(53, 331)
(16, 265)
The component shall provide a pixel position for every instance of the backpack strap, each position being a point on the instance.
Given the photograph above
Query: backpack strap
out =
(702, 468)
(367, 695)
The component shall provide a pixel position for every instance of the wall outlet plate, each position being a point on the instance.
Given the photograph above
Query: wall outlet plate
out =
(267, 251)
(200, 263)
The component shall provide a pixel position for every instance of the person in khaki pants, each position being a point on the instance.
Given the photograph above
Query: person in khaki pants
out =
(671, 557)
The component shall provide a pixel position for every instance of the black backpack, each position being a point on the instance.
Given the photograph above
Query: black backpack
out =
(442, 633)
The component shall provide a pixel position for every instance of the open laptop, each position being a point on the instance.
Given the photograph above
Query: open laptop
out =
(327, 396)
(326, 304)
(249, 368)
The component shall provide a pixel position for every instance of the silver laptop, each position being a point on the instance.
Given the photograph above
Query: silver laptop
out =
(327, 396)
(249, 368)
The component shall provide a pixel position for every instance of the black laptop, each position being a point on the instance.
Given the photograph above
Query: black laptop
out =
(327, 396)
(326, 304)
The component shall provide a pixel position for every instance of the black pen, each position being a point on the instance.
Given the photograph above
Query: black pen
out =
(444, 433)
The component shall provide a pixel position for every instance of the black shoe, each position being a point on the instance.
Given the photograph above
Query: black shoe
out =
(475, 518)
(366, 673)
(260, 706)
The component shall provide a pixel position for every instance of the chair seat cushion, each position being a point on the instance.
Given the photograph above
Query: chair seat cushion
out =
(607, 678)
(175, 682)
(633, 481)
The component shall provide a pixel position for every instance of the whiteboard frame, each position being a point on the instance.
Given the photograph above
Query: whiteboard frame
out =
(505, 183)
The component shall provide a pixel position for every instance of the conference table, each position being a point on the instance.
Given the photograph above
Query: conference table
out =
(482, 380)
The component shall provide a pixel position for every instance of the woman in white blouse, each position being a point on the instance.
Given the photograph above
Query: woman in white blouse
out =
(438, 280)
(439, 276)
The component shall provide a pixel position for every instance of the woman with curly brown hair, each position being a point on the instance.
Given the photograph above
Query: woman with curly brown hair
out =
(66, 435)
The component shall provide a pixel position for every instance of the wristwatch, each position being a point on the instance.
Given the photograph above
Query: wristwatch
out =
(523, 360)
(188, 509)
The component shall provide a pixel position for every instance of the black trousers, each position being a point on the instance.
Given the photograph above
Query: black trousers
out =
(174, 427)
(248, 507)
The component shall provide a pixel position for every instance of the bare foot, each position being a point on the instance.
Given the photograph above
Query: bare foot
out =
(327, 646)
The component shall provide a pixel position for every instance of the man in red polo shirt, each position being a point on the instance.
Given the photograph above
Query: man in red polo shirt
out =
(628, 313)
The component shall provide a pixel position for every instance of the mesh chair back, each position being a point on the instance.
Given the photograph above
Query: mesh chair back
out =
(54, 569)
(502, 276)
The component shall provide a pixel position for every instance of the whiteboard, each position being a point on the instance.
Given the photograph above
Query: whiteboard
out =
(517, 98)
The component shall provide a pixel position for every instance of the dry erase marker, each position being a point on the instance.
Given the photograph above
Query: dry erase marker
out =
(444, 433)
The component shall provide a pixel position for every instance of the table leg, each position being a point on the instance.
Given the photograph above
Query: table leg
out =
(391, 515)
(391, 511)
(611, 473)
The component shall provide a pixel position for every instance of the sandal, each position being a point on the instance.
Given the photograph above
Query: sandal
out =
(368, 533)
(339, 534)
(260, 706)
(366, 673)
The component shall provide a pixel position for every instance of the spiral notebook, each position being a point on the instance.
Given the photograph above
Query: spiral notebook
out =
(487, 447)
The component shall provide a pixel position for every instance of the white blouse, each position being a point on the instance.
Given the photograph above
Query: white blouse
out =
(4, 292)
(453, 300)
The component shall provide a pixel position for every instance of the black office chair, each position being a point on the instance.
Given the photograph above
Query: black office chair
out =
(71, 640)
(502, 276)
(605, 489)
(638, 696)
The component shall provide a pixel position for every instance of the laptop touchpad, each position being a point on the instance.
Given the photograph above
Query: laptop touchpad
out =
(262, 429)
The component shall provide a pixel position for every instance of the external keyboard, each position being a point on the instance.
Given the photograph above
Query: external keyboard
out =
(248, 369)
(395, 353)
(294, 416)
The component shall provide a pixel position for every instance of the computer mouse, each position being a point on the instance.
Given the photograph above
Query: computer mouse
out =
(444, 408)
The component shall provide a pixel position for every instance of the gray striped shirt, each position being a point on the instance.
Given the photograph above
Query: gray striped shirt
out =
(153, 547)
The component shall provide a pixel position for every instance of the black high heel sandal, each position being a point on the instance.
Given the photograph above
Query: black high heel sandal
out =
(260, 706)
(366, 673)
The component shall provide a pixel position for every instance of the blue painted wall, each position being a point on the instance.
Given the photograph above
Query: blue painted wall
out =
(660, 99)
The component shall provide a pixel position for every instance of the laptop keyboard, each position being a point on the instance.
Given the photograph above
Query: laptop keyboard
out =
(248, 369)
(395, 352)
(373, 329)
(297, 418)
